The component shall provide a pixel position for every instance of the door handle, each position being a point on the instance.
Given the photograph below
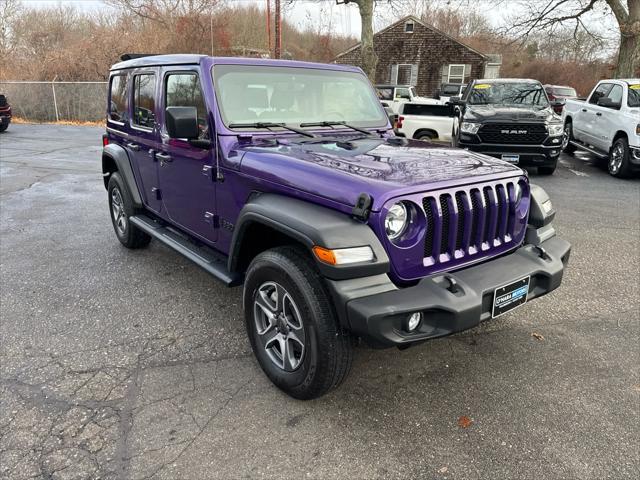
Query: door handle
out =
(599, 114)
(134, 146)
(584, 109)
(164, 158)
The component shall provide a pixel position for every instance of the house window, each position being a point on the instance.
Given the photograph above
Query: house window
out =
(456, 74)
(404, 74)
(408, 27)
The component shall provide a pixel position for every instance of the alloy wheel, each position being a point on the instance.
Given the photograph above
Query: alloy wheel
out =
(615, 159)
(117, 210)
(567, 136)
(279, 326)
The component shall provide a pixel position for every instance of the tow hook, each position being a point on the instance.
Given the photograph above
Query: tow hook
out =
(542, 253)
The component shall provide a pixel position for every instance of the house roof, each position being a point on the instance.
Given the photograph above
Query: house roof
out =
(416, 20)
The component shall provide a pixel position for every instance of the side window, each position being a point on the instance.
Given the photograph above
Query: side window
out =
(402, 93)
(615, 94)
(118, 98)
(600, 92)
(183, 90)
(144, 90)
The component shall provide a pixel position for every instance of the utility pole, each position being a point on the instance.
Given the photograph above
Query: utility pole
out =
(269, 26)
(278, 31)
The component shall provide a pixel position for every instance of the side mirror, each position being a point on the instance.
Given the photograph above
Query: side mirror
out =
(182, 122)
(608, 103)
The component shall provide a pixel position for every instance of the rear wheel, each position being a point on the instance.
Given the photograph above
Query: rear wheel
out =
(568, 147)
(121, 208)
(293, 330)
(426, 136)
(4, 126)
(618, 163)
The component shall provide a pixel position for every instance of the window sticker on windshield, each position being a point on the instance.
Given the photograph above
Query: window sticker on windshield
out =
(635, 86)
(482, 86)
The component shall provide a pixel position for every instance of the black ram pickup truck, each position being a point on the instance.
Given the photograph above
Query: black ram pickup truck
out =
(511, 119)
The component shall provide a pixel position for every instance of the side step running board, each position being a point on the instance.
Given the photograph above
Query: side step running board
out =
(206, 258)
(588, 149)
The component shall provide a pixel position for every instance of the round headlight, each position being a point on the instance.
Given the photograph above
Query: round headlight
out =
(396, 221)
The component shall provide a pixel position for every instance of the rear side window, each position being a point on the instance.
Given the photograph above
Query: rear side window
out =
(144, 106)
(615, 94)
(183, 90)
(600, 92)
(118, 98)
(427, 110)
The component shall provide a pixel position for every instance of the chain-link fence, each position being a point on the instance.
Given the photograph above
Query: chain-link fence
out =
(52, 101)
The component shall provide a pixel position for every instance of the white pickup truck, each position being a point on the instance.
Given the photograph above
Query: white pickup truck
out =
(430, 122)
(607, 124)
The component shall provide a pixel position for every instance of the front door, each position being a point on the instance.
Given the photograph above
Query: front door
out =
(187, 172)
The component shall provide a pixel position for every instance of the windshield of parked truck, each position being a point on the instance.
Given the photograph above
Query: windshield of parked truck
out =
(508, 93)
(634, 95)
(248, 94)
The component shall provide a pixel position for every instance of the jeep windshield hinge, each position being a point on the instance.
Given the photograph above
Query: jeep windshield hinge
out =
(362, 208)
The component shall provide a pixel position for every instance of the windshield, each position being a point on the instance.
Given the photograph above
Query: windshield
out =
(564, 92)
(255, 93)
(634, 95)
(530, 94)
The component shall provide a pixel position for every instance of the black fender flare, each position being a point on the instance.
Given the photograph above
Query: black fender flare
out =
(121, 158)
(310, 225)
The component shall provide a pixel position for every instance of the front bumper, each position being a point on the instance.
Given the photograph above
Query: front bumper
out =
(379, 317)
(530, 155)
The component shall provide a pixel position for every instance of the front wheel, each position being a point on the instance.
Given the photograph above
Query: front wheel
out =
(567, 146)
(618, 163)
(293, 330)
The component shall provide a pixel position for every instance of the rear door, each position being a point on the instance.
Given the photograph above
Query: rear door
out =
(143, 138)
(187, 172)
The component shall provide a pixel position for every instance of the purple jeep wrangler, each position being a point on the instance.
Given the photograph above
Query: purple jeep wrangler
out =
(285, 177)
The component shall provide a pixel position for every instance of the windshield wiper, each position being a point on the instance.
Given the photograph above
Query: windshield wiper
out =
(270, 125)
(331, 124)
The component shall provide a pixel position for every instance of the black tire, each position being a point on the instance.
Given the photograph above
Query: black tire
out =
(568, 147)
(425, 136)
(129, 235)
(4, 126)
(548, 170)
(328, 349)
(618, 164)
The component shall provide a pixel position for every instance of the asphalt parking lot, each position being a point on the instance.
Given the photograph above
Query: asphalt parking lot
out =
(135, 364)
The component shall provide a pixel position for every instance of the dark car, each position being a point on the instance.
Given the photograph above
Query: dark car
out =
(511, 119)
(558, 95)
(285, 177)
(5, 113)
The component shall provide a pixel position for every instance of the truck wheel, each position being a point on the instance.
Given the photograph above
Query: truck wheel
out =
(121, 208)
(293, 330)
(4, 126)
(425, 136)
(568, 135)
(618, 163)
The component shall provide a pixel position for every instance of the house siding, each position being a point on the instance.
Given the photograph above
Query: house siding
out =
(427, 48)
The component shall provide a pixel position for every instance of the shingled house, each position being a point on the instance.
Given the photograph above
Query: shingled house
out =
(414, 53)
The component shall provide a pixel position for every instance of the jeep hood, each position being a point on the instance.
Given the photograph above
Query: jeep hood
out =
(374, 166)
(501, 113)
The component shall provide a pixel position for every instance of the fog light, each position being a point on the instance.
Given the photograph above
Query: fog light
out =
(414, 321)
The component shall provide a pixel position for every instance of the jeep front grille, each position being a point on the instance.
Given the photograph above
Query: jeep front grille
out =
(522, 134)
(469, 223)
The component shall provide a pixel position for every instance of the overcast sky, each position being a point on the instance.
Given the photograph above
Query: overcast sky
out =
(345, 19)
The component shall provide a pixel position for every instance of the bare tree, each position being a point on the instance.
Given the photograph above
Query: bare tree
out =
(368, 53)
(552, 15)
(9, 12)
